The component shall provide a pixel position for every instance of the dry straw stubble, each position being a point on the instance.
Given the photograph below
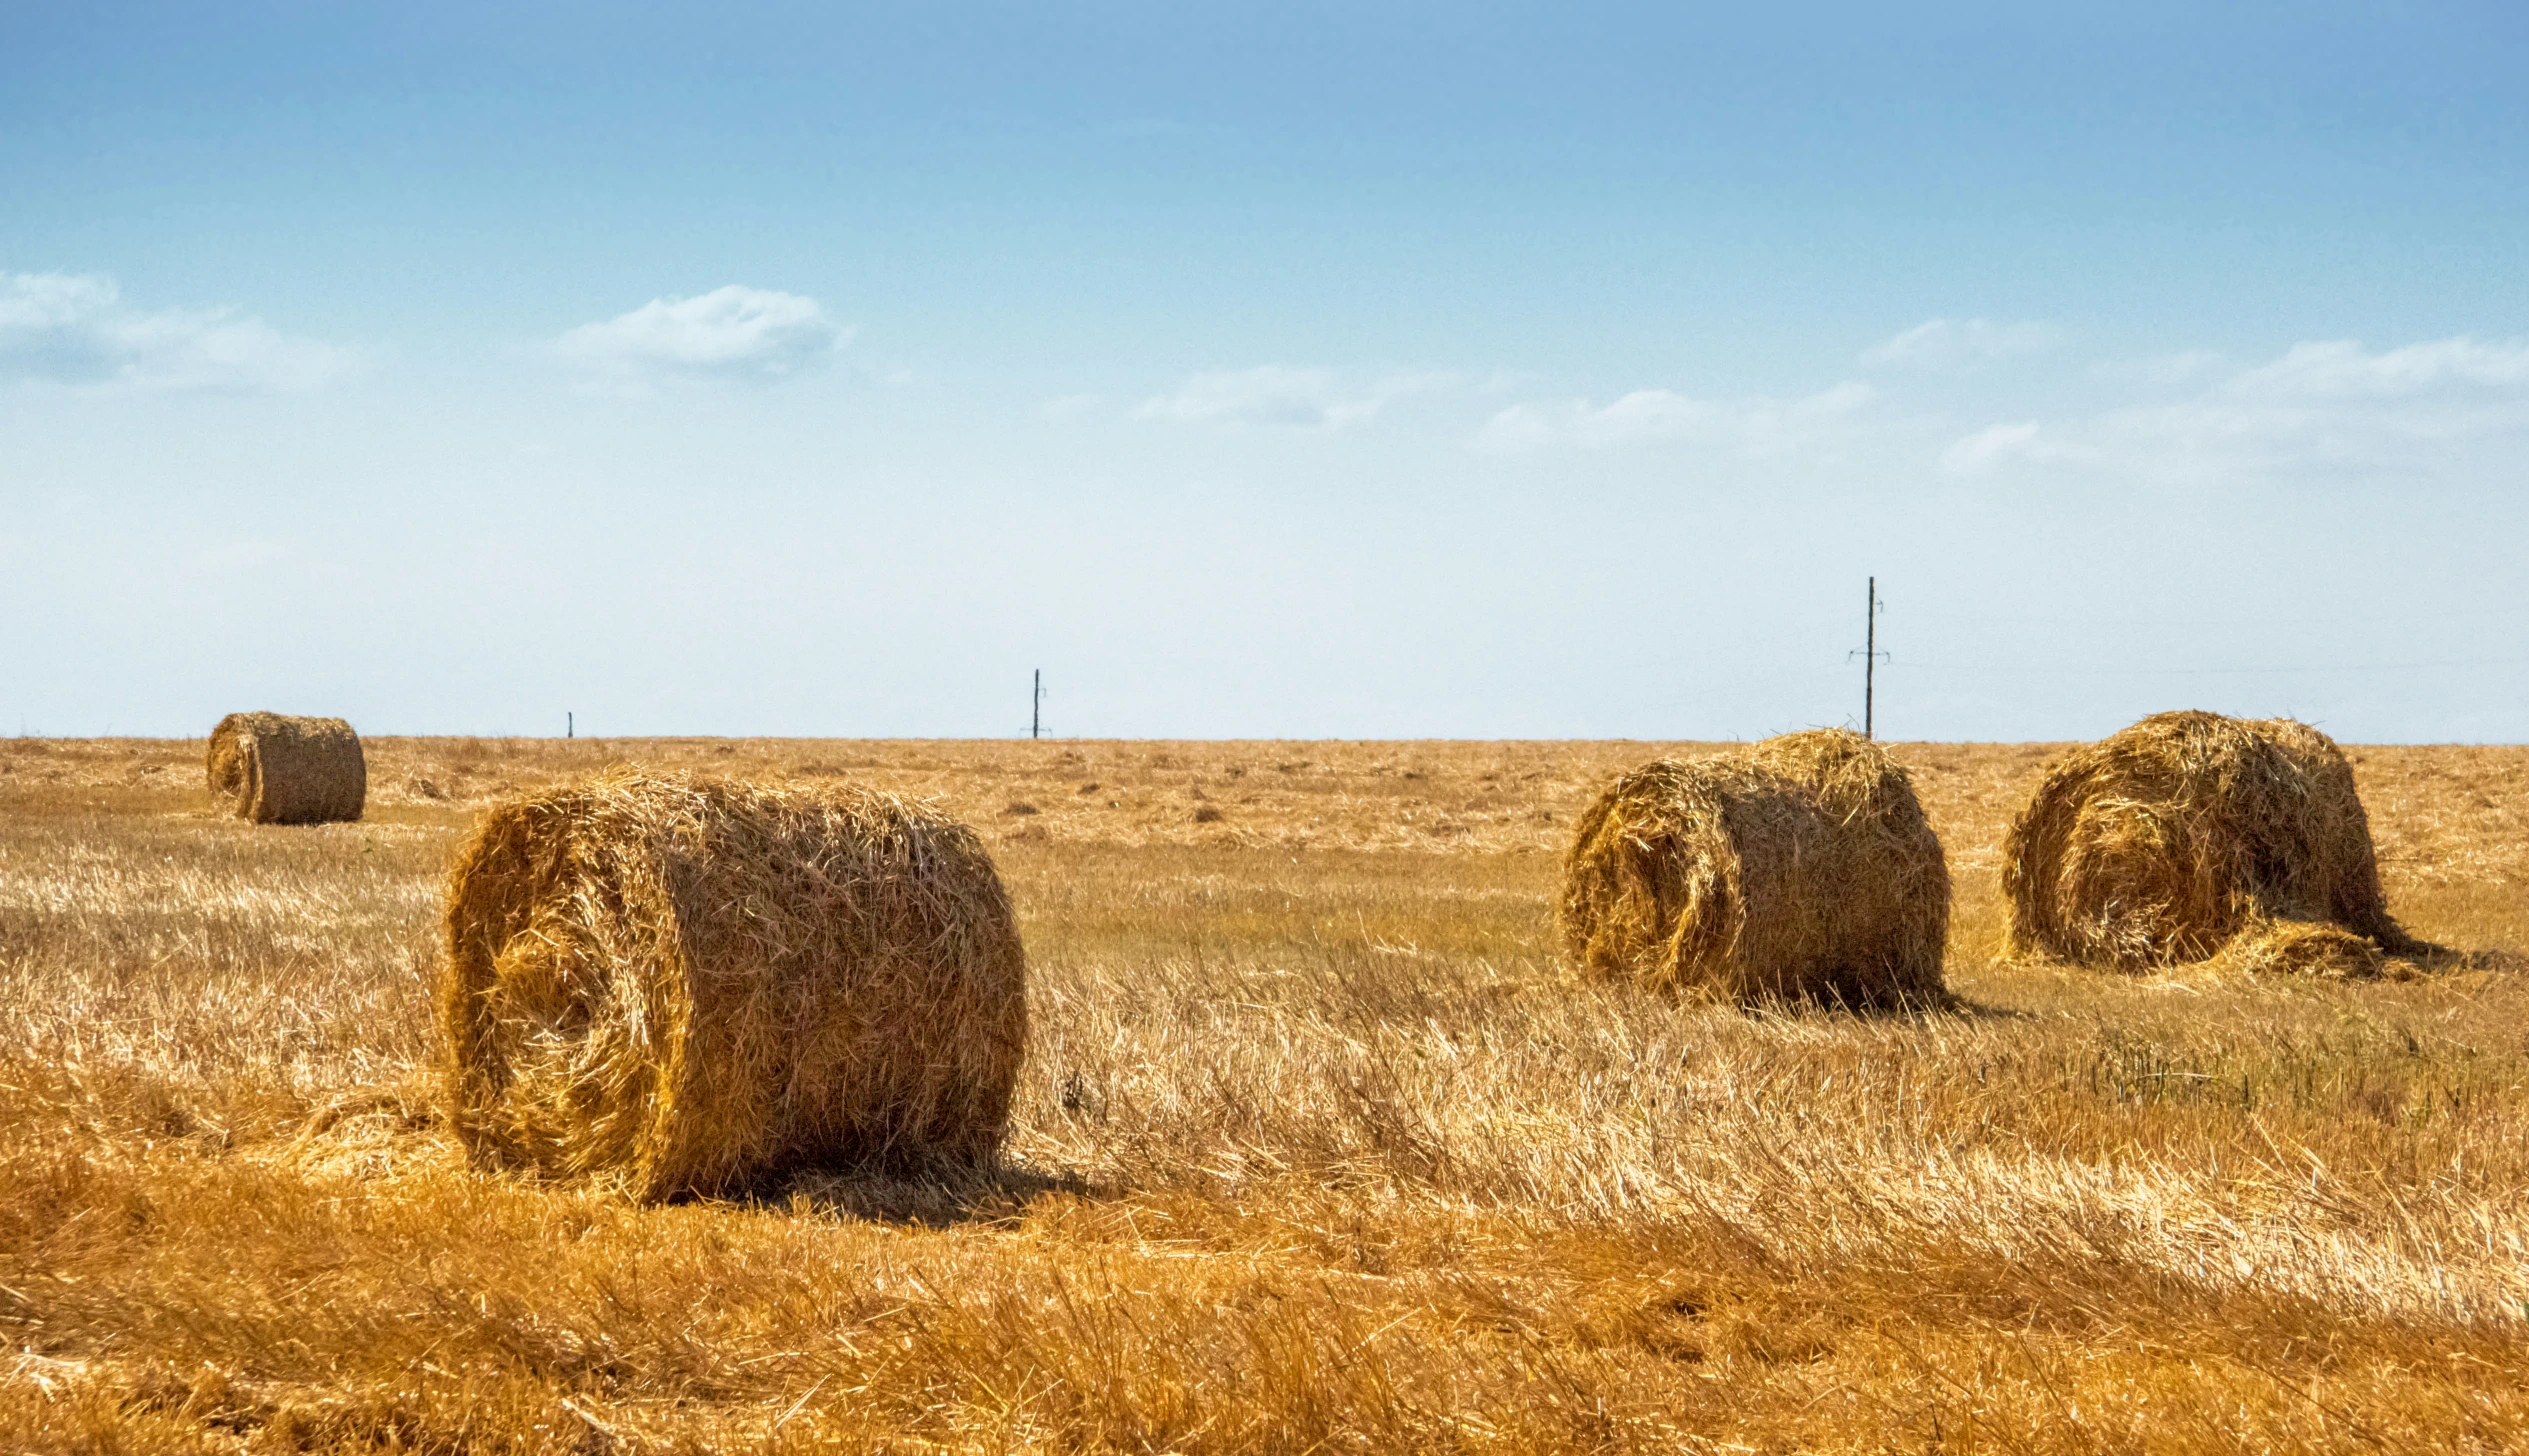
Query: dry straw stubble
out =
(273, 768)
(673, 983)
(1801, 866)
(2190, 835)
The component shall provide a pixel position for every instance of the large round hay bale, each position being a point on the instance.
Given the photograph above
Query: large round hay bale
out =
(276, 769)
(2173, 839)
(678, 984)
(1801, 866)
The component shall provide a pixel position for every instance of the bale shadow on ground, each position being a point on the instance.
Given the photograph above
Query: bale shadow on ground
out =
(1920, 1008)
(2432, 959)
(936, 1198)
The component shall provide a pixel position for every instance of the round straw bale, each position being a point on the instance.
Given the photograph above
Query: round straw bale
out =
(1801, 866)
(675, 984)
(2166, 842)
(276, 769)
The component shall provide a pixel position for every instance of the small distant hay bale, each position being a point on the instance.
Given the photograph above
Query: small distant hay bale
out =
(272, 768)
(677, 984)
(1799, 867)
(2191, 835)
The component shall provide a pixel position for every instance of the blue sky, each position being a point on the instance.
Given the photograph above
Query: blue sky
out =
(1463, 371)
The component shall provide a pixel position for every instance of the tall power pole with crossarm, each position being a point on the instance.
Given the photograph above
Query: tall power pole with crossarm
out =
(1870, 655)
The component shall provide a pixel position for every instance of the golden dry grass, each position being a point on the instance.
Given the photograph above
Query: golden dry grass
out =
(1318, 1147)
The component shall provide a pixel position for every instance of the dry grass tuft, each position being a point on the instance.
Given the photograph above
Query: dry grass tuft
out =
(1800, 867)
(2302, 948)
(2189, 835)
(272, 768)
(682, 984)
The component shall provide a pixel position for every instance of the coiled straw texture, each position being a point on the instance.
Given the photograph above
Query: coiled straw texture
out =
(677, 984)
(272, 768)
(2191, 835)
(1799, 867)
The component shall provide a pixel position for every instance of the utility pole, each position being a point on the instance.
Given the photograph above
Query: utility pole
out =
(1036, 707)
(1870, 658)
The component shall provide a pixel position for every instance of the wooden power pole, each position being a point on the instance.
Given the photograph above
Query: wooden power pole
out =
(1870, 656)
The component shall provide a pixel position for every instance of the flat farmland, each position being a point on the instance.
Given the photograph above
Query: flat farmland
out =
(1319, 1147)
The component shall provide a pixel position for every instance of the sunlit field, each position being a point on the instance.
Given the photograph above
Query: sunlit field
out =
(1319, 1147)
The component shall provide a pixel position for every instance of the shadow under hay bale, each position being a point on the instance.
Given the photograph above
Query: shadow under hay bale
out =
(2191, 835)
(999, 1193)
(1799, 867)
(678, 984)
(272, 768)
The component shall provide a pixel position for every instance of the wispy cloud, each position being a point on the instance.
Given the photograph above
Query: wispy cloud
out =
(2340, 370)
(1943, 343)
(1068, 406)
(2334, 409)
(77, 329)
(1756, 426)
(1996, 445)
(731, 333)
(1271, 395)
(2321, 409)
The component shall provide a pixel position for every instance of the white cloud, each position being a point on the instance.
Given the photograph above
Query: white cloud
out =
(2449, 409)
(2187, 366)
(1318, 399)
(1955, 343)
(732, 332)
(1756, 426)
(2328, 409)
(2340, 370)
(1068, 406)
(76, 329)
(1645, 414)
(1525, 427)
(1996, 445)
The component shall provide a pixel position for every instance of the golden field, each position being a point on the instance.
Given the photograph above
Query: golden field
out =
(1318, 1148)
